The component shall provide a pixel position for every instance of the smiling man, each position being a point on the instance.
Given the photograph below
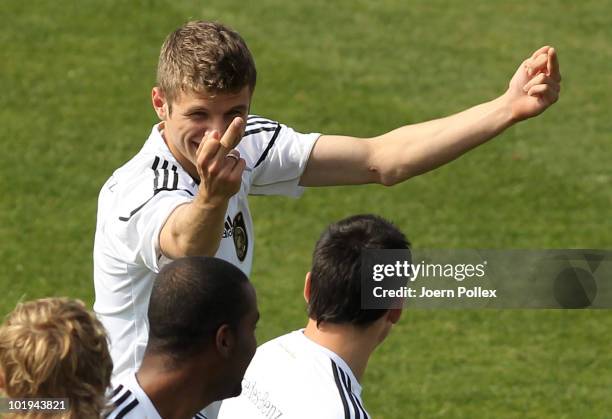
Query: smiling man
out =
(185, 193)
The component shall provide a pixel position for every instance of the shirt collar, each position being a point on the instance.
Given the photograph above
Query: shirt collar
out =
(142, 397)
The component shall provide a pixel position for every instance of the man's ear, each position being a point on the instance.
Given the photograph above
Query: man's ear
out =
(394, 315)
(307, 288)
(159, 103)
(225, 340)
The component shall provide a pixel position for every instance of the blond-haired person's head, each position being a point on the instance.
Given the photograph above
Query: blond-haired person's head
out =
(55, 347)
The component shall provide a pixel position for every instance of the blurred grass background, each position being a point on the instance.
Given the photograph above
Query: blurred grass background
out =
(74, 105)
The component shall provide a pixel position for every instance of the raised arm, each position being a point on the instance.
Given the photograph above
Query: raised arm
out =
(195, 229)
(415, 149)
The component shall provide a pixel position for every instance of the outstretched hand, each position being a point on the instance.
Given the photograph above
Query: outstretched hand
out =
(535, 85)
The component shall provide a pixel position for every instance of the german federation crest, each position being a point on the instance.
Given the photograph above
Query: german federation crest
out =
(241, 240)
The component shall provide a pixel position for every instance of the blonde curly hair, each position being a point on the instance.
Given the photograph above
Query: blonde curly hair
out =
(55, 347)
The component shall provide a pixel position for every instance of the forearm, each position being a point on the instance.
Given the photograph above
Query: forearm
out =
(415, 149)
(194, 229)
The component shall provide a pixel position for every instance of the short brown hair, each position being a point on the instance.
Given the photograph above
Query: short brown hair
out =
(54, 347)
(335, 276)
(204, 57)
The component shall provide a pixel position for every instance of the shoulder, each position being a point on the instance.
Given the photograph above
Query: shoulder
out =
(286, 377)
(277, 155)
(140, 180)
(259, 125)
(151, 170)
(279, 345)
(288, 359)
(260, 134)
(123, 402)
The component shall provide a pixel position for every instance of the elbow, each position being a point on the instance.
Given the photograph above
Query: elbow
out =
(390, 177)
(389, 170)
(388, 180)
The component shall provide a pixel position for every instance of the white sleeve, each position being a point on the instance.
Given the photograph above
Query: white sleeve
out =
(144, 227)
(143, 212)
(278, 157)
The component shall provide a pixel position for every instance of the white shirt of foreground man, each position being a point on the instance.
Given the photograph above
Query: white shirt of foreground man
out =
(135, 203)
(290, 372)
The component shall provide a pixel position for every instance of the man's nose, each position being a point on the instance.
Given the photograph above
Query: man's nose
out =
(217, 124)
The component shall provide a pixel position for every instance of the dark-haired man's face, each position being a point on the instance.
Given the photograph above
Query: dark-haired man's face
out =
(246, 343)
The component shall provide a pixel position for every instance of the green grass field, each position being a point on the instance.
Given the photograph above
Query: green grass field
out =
(74, 105)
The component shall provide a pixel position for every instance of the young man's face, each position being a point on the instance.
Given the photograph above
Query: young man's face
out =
(193, 115)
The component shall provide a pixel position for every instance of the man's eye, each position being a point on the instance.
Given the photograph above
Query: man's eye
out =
(198, 115)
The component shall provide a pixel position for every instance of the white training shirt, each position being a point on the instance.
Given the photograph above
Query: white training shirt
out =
(129, 400)
(292, 377)
(135, 202)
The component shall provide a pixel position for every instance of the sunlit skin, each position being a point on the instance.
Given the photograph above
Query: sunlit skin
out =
(202, 130)
(193, 116)
(217, 124)
(179, 391)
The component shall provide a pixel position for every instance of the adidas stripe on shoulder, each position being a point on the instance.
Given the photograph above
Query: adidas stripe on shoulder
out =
(124, 402)
(255, 125)
(166, 178)
(349, 400)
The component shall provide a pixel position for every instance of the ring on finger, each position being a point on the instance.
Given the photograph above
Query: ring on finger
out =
(233, 154)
